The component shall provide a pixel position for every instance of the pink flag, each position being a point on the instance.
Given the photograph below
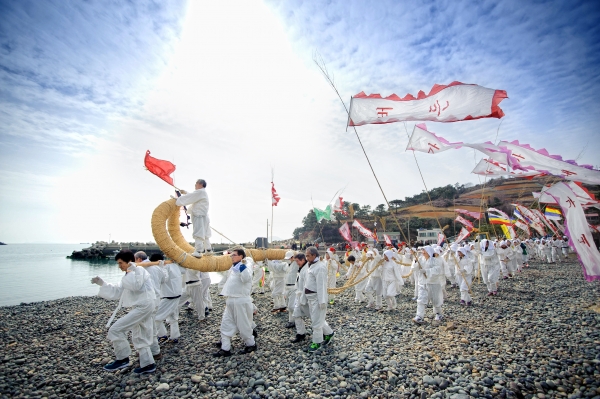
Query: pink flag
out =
(534, 221)
(464, 221)
(444, 103)
(523, 227)
(489, 167)
(387, 239)
(363, 230)
(338, 206)
(345, 232)
(275, 197)
(577, 230)
(543, 219)
(475, 215)
(464, 233)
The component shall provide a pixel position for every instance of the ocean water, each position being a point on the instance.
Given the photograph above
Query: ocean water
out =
(41, 272)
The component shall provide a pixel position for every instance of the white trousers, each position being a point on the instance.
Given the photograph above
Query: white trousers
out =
(237, 317)
(194, 294)
(317, 319)
(555, 254)
(168, 310)
(201, 233)
(278, 292)
(331, 282)
(464, 288)
(139, 321)
(300, 312)
(375, 286)
(433, 293)
(290, 294)
(565, 251)
(206, 292)
(493, 274)
(484, 272)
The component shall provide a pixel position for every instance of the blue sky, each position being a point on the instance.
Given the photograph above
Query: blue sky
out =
(228, 90)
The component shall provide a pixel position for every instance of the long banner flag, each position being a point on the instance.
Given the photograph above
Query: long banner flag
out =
(532, 218)
(475, 215)
(159, 167)
(345, 232)
(444, 103)
(363, 230)
(577, 230)
(520, 157)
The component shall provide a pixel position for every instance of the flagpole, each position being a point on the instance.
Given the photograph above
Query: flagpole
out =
(272, 221)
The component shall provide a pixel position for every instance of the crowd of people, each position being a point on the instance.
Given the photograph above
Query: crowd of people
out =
(303, 285)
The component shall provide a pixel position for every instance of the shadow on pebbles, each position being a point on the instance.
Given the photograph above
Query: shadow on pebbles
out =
(538, 338)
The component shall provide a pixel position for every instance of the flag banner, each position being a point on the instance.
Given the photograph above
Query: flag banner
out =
(363, 230)
(499, 212)
(274, 197)
(320, 214)
(475, 215)
(505, 231)
(585, 198)
(444, 103)
(577, 230)
(489, 167)
(464, 221)
(519, 215)
(338, 206)
(543, 219)
(387, 239)
(464, 233)
(531, 219)
(345, 232)
(523, 227)
(594, 228)
(526, 158)
(552, 213)
(355, 245)
(441, 237)
(512, 232)
(160, 168)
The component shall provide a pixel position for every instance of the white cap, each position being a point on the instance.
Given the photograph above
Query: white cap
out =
(289, 255)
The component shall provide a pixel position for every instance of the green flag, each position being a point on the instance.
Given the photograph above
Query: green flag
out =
(326, 214)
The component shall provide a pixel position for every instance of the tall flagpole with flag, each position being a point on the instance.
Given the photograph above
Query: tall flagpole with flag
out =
(274, 201)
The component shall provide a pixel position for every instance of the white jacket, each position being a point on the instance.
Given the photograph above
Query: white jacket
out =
(434, 269)
(196, 202)
(171, 287)
(239, 283)
(316, 280)
(134, 289)
(278, 268)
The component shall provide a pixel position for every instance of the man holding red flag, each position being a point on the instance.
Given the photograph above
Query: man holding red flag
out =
(197, 205)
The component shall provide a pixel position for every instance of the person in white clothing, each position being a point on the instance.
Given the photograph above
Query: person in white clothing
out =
(564, 246)
(170, 292)
(333, 267)
(135, 290)
(301, 310)
(239, 309)
(432, 271)
(315, 295)
(391, 279)
(556, 249)
(374, 286)
(197, 204)
(491, 264)
(357, 267)
(290, 288)
(278, 270)
(193, 294)
(464, 276)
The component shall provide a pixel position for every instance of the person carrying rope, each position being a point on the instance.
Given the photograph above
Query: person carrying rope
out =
(197, 205)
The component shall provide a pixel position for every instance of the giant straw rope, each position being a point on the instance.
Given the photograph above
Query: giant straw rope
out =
(168, 237)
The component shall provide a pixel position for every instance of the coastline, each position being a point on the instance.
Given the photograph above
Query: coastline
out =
(538, 337)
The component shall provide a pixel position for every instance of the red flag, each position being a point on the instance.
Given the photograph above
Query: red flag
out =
(464, 221)
(475, 215)
(275, 197)
(160, 168)
(387, 239)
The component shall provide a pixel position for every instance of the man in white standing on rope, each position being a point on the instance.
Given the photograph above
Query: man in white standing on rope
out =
(197, 204)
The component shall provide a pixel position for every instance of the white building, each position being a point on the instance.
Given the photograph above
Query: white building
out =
(428, 236)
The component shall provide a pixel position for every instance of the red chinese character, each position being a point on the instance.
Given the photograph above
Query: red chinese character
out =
(437, 108)
(583, 240)
(518, 156)
(571, 202)
(431, 147)
(382, 112)
(568, 172)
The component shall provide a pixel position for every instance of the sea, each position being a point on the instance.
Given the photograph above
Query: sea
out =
(42, 272)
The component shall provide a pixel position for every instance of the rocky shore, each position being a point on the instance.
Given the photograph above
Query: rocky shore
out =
(539, 337)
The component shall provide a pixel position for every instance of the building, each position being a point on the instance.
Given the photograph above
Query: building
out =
(428, 236)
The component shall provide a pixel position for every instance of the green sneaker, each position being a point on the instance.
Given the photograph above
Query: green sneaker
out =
(313, 347)
(327, 338)
(331, 302)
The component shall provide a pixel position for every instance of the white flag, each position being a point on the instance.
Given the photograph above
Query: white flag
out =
(444, 103)
(577, 230)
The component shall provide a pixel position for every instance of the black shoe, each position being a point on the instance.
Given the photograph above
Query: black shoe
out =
(248, 349)
(217, 344)
(327, 338)
(299, 338)
(290, 324)
(151, 368)
(117, 365)
(254, 334)
(222, 353)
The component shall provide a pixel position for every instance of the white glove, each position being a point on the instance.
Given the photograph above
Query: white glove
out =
(323, 306)
(161, 262)
(98, 280)
(172, 197)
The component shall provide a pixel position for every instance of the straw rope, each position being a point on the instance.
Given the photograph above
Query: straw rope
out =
(168, 237)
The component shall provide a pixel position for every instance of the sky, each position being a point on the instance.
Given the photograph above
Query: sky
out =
(229, 92)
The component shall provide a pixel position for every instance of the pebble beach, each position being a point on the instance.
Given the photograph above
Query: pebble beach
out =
(539, 338)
